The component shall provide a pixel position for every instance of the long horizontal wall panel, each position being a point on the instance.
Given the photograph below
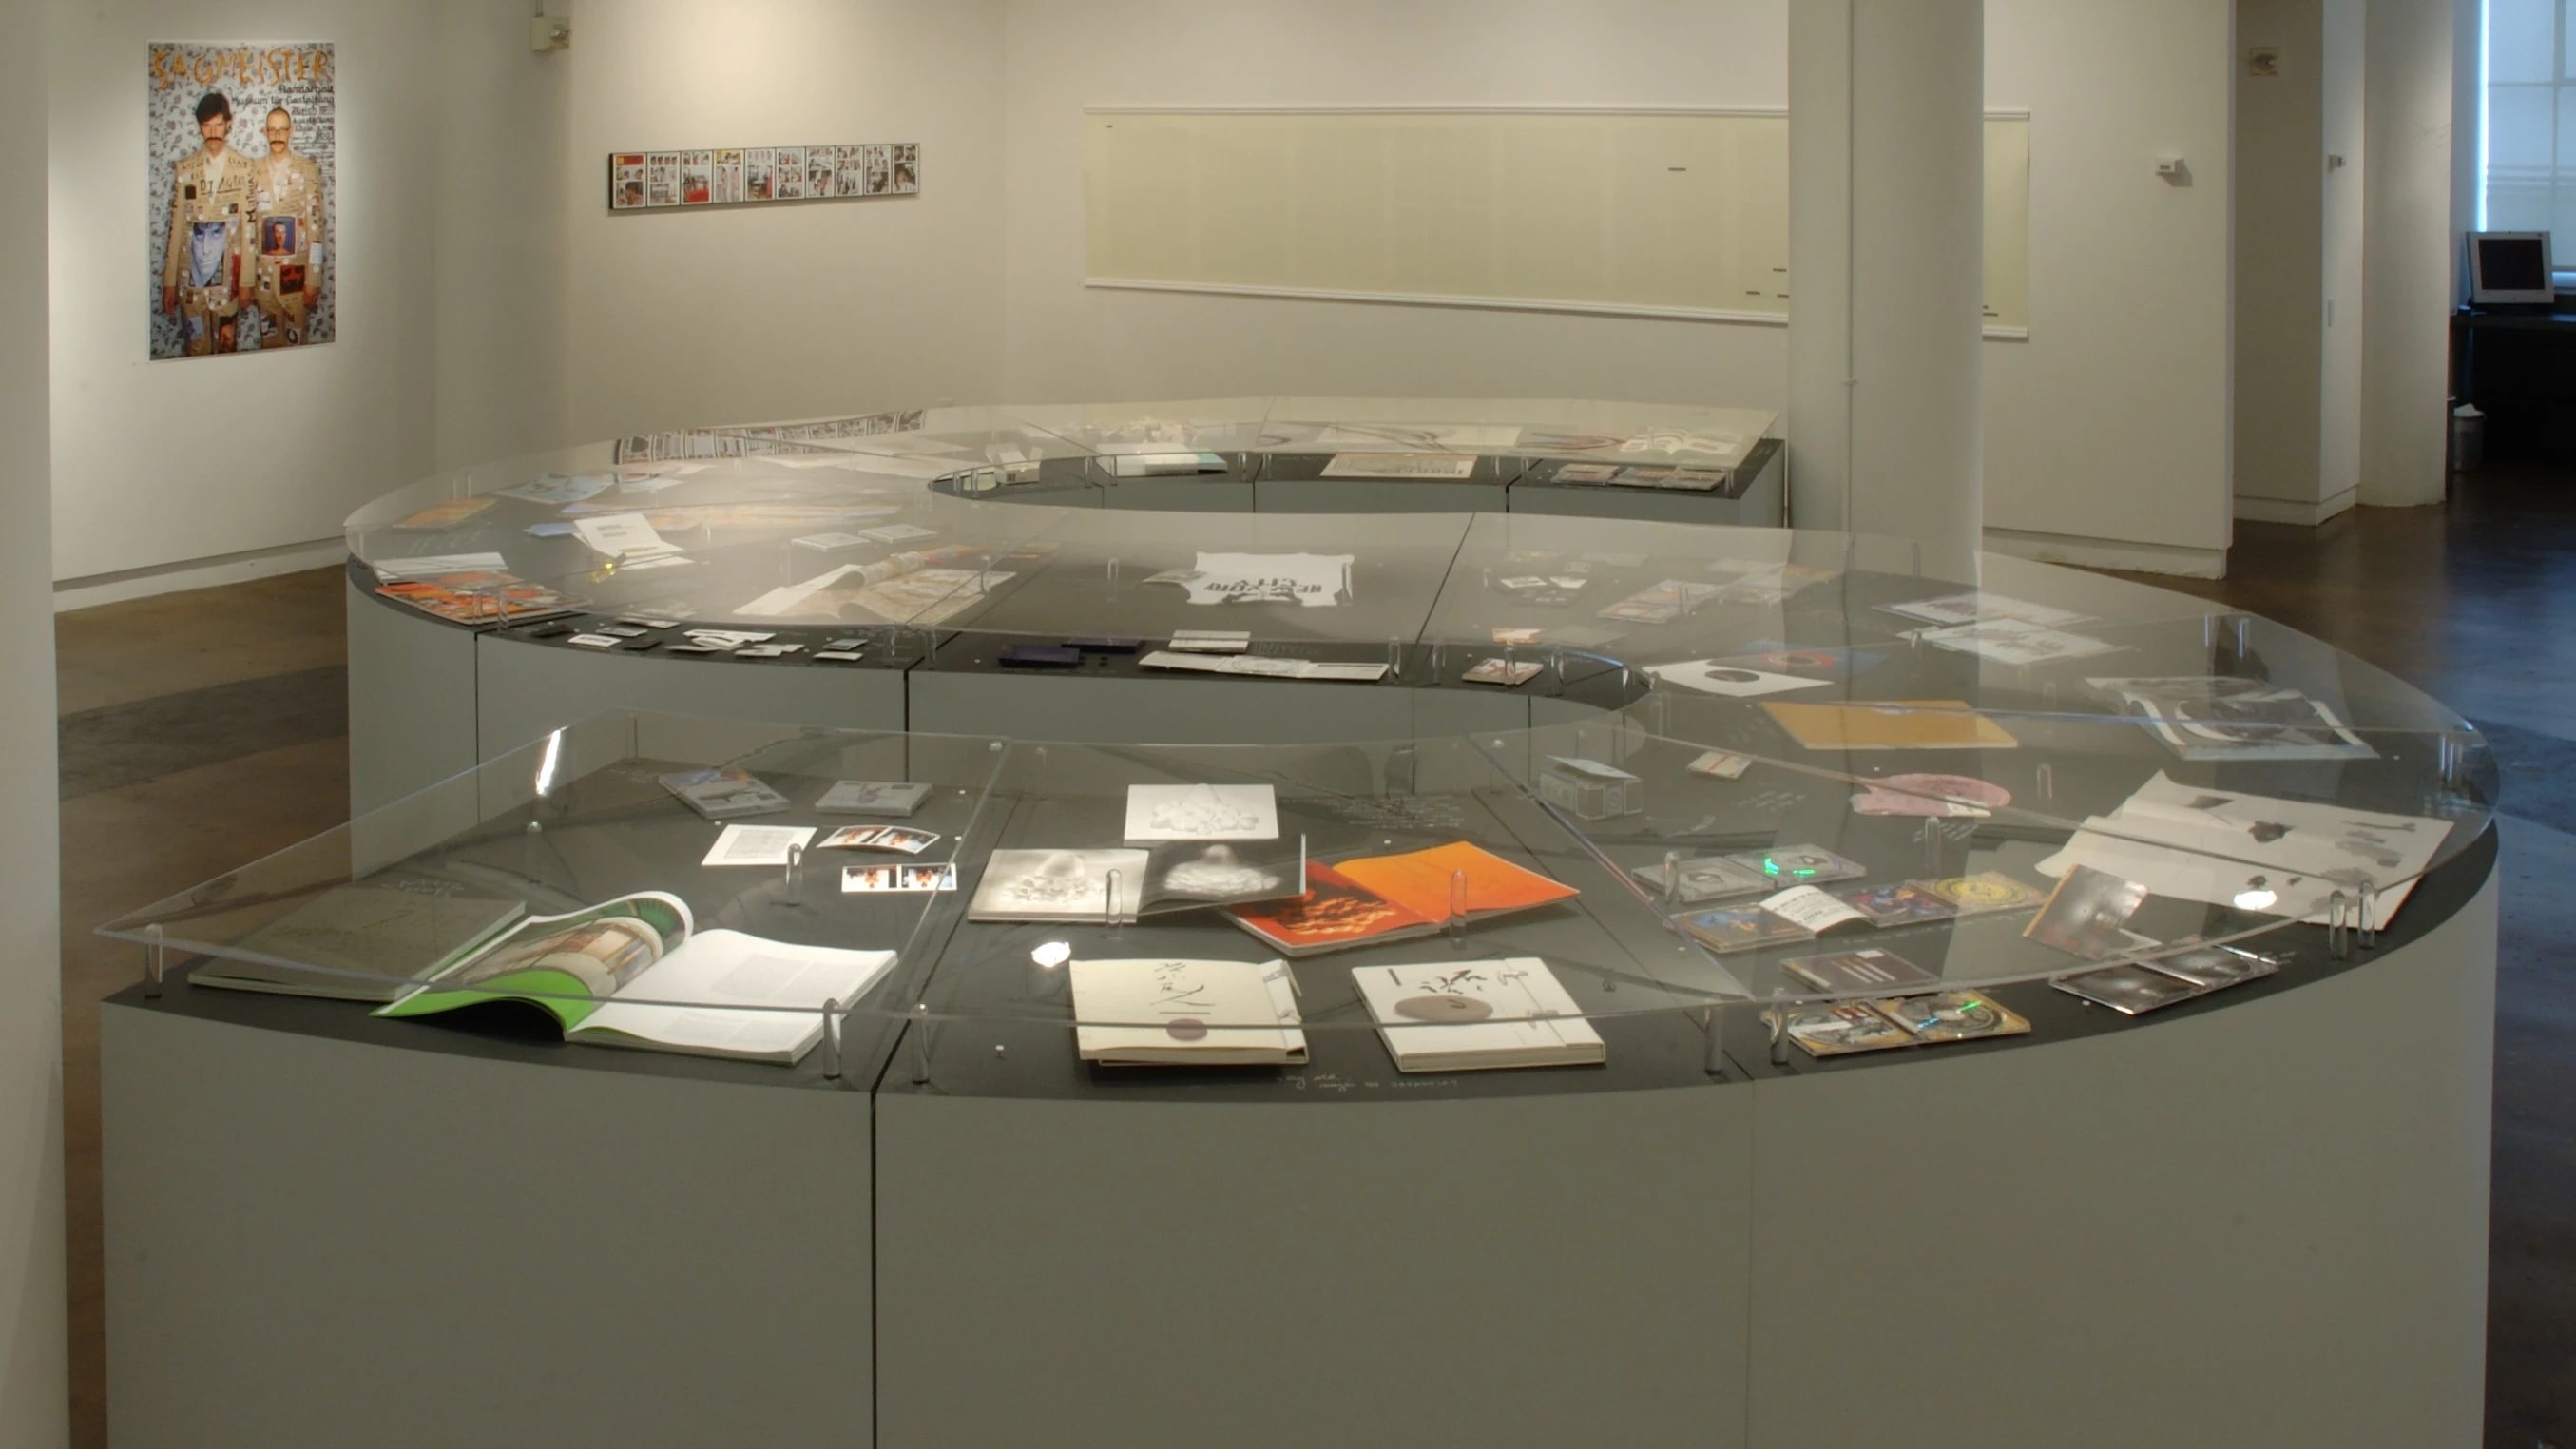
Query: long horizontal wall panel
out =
(1668, 213)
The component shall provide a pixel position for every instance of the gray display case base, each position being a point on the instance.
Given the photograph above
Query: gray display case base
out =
(325, 1243)
(2263, 1223)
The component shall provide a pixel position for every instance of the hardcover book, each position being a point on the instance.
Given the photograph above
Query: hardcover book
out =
(1185, 1013)
(1389, 897)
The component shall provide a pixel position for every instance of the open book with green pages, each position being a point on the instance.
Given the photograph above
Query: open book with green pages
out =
(635, 972)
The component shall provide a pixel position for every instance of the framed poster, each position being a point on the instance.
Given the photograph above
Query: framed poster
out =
(241, 139)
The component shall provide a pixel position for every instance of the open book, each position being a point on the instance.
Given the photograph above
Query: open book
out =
(1476, 1015)
(635, 972)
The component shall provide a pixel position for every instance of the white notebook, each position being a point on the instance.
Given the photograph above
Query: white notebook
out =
(1182, 1013)
(1470, 1016)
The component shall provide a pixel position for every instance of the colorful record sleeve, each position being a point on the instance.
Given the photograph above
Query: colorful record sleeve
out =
(1904, 904)
(1988, 891)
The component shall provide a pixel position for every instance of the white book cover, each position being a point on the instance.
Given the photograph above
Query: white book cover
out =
(430, 566)
(1976, 604)
(1202, 812)
(1707, 676)
(2015, 641)
(1477, 1015)
(1171, 1013)
(757, 844)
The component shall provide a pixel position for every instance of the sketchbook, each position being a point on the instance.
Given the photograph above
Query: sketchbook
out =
(1477, 1016)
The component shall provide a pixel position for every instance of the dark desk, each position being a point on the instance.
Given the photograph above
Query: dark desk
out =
(2520, 370)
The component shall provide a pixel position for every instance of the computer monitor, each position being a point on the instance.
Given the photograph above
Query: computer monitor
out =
(2507, 267)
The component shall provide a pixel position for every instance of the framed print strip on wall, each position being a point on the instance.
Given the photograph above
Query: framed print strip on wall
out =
(678, 180)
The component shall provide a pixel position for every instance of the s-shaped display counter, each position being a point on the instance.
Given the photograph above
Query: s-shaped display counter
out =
(2155, 1030)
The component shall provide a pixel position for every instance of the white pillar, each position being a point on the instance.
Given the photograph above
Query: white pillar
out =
(1887, 268)
(34, 1397)
(2408, 263)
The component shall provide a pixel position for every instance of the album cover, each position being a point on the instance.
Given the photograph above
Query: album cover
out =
(874, 797)
(2086, 914)
(2215, 968)
(1509, 673)
(1741, 928)
(1953, 1016)
(1704, 878)
(1905, 904)
(1799, 865)
(1985, 892)
(2128, 989)
(1842, 1029)
(1858, 971)
(724, 794)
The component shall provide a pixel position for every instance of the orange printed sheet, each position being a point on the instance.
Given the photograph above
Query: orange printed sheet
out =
(1420, 882)
(1893, 724)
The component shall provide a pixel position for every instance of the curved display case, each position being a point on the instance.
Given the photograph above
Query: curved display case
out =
(1542, 978)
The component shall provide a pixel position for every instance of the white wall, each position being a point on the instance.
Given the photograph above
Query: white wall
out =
(501, 258)
(768, 312)
(2410, 268)
(159, 463)
(2280, 260)
(34, 1394)
(2111, 423)
(1067, 343)
(2340, 272)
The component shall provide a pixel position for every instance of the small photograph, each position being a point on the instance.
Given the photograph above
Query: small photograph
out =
(2085, 914)
(626, 182)
(1510, 674)
(2128, 990)
(725, 186)
(898, 879)
(787, 183)
(662, 178)
(697, 169)
(942, 877)
(902, 839)
(756, 169)
(277, 237)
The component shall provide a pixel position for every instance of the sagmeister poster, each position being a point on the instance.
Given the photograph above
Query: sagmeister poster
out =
(243, 186)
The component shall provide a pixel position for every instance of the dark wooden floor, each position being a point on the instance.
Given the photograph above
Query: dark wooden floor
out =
(201, 731)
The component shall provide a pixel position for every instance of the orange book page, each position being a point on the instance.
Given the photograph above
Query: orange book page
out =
(1895, 724)
(1420, 881)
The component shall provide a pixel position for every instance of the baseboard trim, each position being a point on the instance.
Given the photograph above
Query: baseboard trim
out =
(2286, 510)
(202, 573)
(2105, 553)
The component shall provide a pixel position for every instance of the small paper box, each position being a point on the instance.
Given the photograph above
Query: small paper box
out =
(1592, 790)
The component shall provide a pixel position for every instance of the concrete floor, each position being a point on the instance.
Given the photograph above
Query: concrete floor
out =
(202, 731)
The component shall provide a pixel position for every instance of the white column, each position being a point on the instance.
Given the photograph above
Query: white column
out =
(2410, 249)
(34, 1397)
(1887, 268)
